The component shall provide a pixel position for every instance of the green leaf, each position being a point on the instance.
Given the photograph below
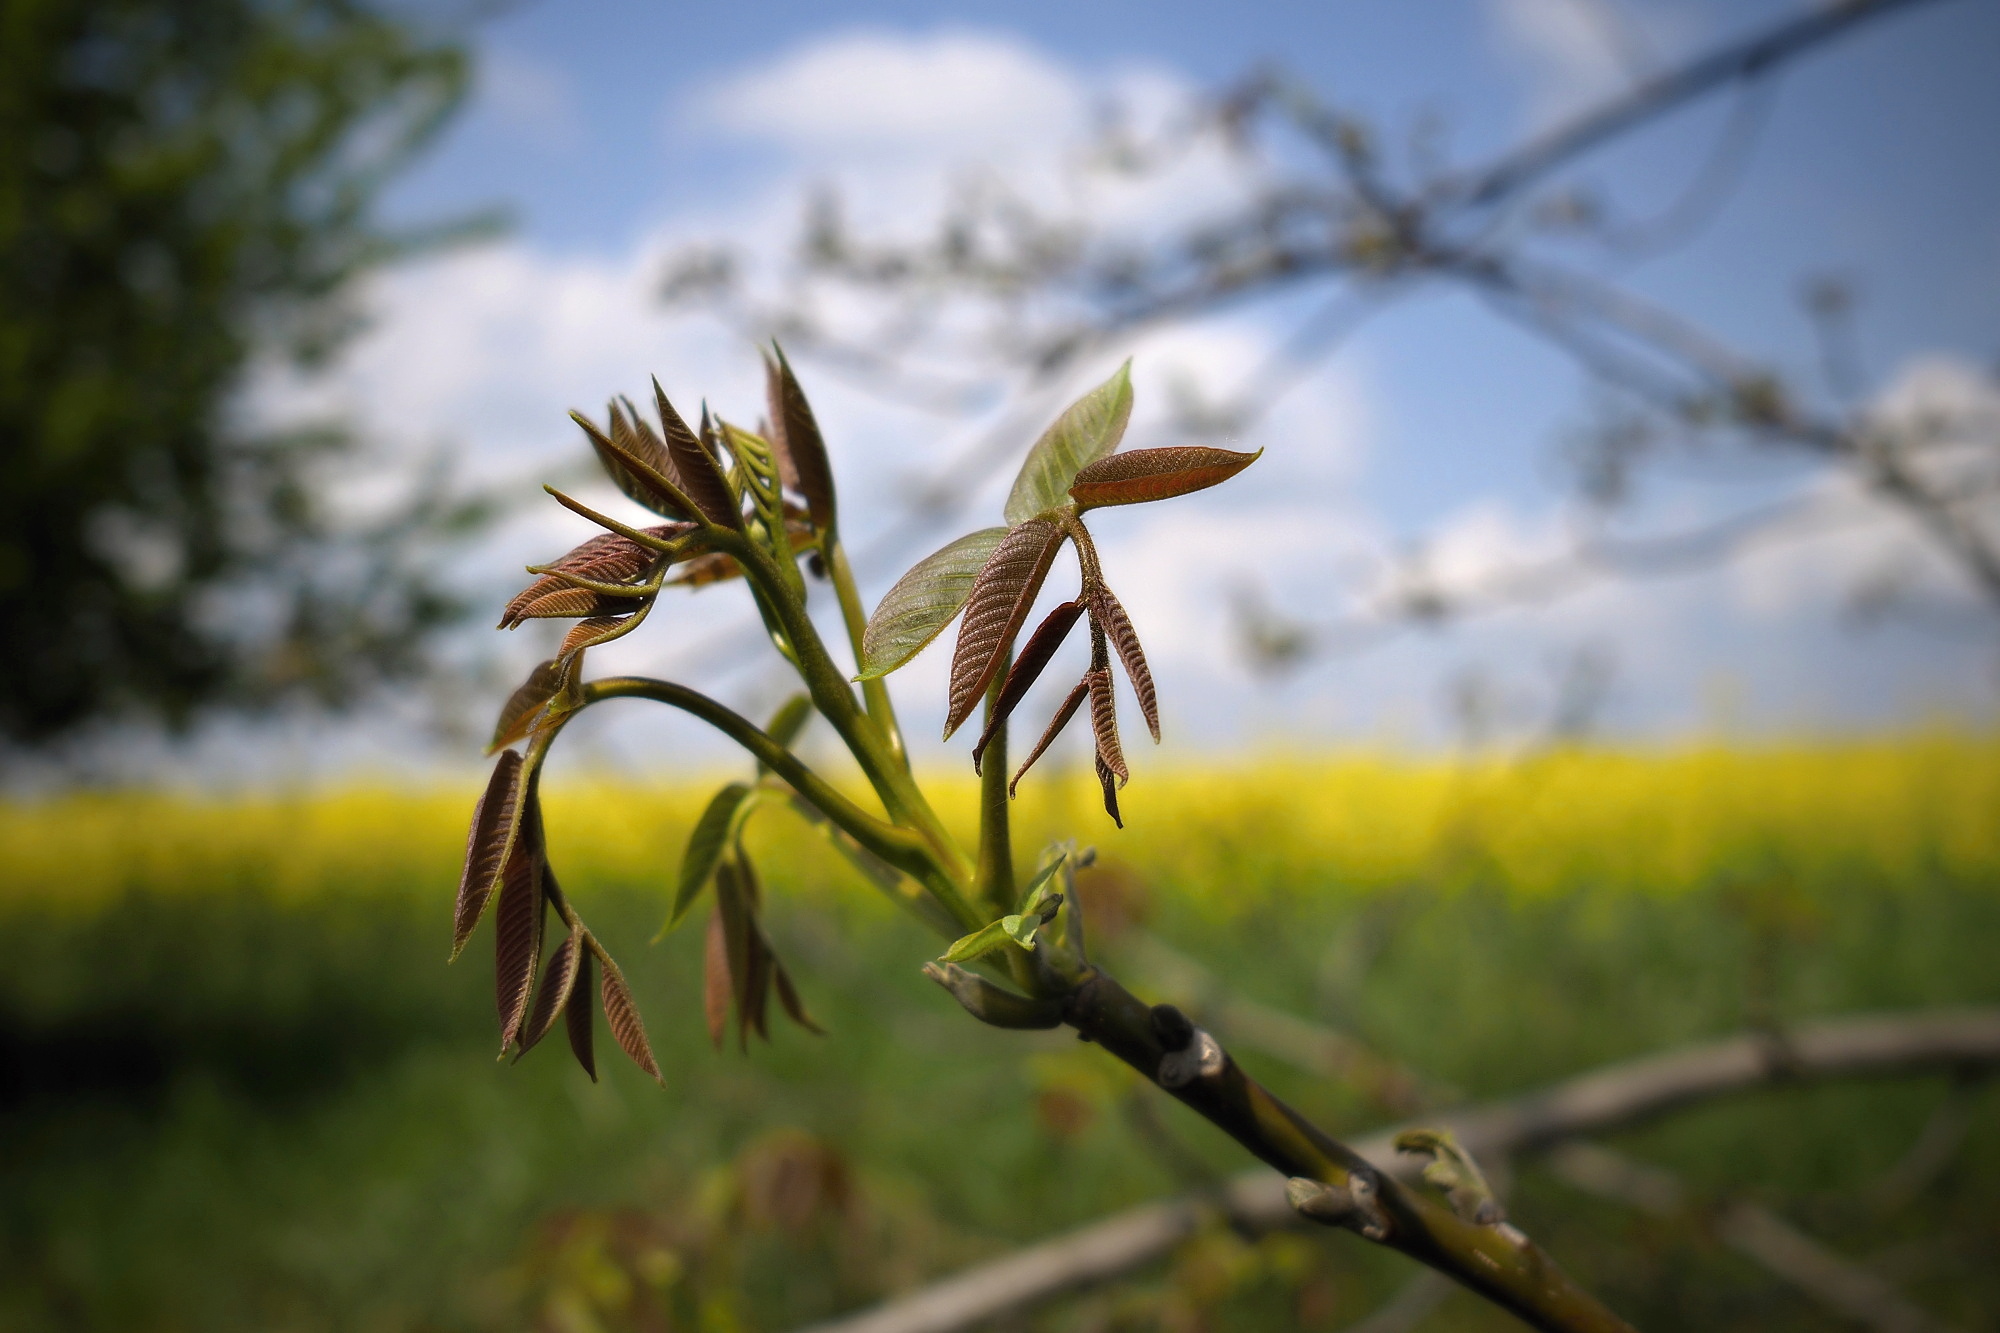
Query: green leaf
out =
(924, 601)
(711, 836)
(1019, 927)
(982, 941)
(1089, 430)
(1031, 895)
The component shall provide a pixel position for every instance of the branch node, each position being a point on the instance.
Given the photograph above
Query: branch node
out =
(1172, 1027)
(1354, 1205)
(990, 1004)
(1200, 1058)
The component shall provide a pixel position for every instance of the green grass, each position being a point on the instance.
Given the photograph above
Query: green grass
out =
(242, 1090)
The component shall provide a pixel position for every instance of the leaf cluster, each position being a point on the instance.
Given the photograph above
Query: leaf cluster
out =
(994, 576)
(756, 507)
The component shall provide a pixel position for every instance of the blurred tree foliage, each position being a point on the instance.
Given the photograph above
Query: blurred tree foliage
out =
(185, 187)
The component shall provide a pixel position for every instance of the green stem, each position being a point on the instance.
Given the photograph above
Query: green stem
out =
(831, 694)
(995, 883)
(1497, 1262)
(875, 692)
(903, 848)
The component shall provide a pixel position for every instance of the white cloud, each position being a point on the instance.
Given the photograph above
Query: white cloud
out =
(957, 91)
(486, 349)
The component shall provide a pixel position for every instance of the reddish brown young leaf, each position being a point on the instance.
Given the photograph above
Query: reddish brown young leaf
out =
(701, 476)
(517, 715)
(1104, 723)
(1154, 474)
(739, 935)
(621, 1014)
(1109, 781)
(1056, 724)
(1028, 666)
(587, 632)
(716, 985)
(633, 463)
(757, 985)
(558, 982)
(563, 602)
(486, 845)
(517, 925)
(653, 446)
(577, 1013)
(788, 996)
(795, 438)
(610, 557)
(1117, 627)
(756, 989)
(1000, 600)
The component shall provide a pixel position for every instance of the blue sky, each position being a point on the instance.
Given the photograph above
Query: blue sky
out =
(615, 132)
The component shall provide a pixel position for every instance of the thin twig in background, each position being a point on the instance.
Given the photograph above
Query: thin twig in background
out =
(1375, 239)
(1839, 1285)
(1613, 1097)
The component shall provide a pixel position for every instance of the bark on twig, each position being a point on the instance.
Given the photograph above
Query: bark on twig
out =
(1612, 1097)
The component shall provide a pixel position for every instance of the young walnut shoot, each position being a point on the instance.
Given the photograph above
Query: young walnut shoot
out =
(760, 507)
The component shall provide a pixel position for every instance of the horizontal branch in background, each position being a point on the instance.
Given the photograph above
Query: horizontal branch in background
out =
(1845, 1288)
(1614, 1097)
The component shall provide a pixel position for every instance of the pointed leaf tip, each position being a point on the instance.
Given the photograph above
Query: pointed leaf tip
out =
(558, 982)
(1155, 474)
(577, 1014)
(1108, 780)
(637, 464)
(700, 474)
(1088, 429)
(621, 1015)
(796, 437)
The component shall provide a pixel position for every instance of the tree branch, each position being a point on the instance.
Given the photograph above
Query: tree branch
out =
(1838, 1284)
(1746, 59)
(900, 847)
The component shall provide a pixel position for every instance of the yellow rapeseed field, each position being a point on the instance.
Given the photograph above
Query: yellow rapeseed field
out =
(1633, 821)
